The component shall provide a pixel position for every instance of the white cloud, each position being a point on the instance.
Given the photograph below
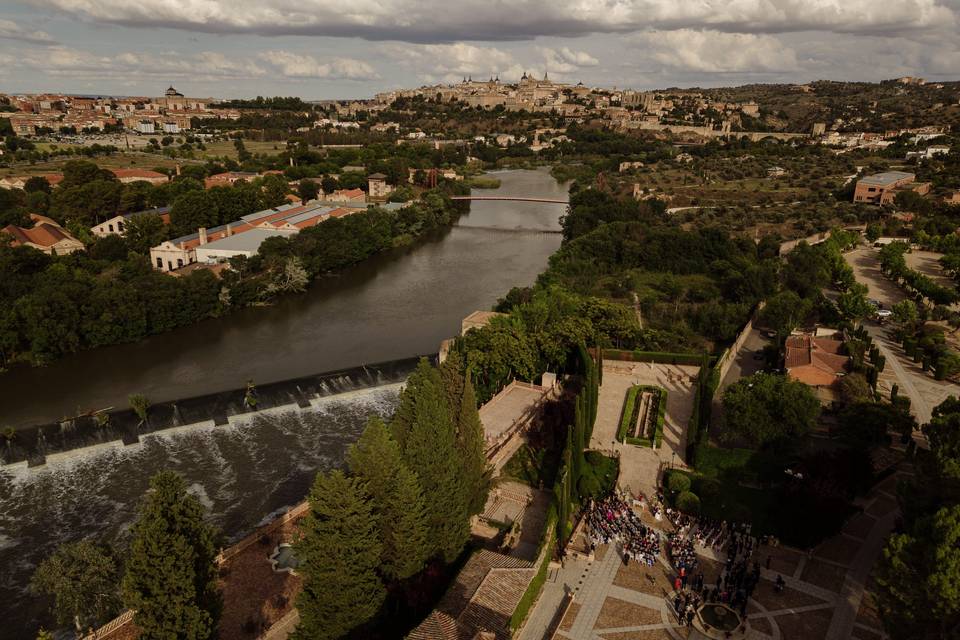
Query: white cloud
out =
(444, 21)
(451, 62)
(564, 61)
(295, 65)
(12, 31)
(687, 50)
(206, 65)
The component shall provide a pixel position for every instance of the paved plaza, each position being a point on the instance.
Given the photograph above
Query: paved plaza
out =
(828, 594)
(639, 466)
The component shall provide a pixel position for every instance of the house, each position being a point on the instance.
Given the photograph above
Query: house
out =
(117, 224)
(345, 195)
(377, 186)
(776, 172)
(137, 175)
(19, 182)
(227, 178)
(481, 600)
(45, 235)
(882, 188)
(815, 361)
(627, 166)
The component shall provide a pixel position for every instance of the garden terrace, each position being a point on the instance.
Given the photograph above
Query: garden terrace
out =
(644, 410)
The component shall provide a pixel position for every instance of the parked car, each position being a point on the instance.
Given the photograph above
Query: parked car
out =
(884, 313)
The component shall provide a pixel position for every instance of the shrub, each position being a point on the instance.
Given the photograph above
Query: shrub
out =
(689, 503)
(709, 489)
(588, 485)
(678, 483)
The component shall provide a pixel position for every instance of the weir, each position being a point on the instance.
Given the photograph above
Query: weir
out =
(37, 445)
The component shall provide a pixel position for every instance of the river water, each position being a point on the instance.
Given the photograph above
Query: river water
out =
(395, 305)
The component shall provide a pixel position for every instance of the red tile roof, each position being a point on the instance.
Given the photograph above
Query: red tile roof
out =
(814, 361)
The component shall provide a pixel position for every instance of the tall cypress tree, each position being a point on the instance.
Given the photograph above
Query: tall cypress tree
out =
(375, 458)
(403, 417)
(430, 451)
(396, 500)
(171, 571)
(472, 449)
(339, 553)
(451, 372)
(405, 541)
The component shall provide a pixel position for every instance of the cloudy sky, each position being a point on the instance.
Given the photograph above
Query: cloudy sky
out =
(353, 48)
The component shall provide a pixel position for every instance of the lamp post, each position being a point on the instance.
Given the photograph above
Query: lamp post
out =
(672, 457)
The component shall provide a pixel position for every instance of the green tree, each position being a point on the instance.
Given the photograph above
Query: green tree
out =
(396, 500)
(919, 578)
(83, 579)
(785, 311)
(308, 189)
(855, 388)
(171, 575)
(905, 314)
(425, 430)
(766, 409)
(339, 552)
(193, 210)
(144, 231)
(853, 304)
(140, 405)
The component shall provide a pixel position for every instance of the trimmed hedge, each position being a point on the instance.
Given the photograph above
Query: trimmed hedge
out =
(662, 357)
(628, 416)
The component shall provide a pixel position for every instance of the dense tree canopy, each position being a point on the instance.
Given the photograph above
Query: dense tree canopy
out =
(171, 574)
(768, 410)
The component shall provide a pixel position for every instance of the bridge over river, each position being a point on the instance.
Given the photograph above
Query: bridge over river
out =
(510, 199)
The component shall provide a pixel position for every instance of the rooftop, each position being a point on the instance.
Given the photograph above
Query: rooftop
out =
(887, 177)
(246, 241)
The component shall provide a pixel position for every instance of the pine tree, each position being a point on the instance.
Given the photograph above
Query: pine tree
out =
(471, 445)
(171, 571)
(396, 499)
(430, 451)
(339, 553)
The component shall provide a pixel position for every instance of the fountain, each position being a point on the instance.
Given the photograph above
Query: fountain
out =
(284, 559)
(717, 621)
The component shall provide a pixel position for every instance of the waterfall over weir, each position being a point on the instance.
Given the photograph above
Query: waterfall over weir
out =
(244, 469)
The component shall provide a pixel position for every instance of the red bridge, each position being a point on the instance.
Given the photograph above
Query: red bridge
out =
(511, 198)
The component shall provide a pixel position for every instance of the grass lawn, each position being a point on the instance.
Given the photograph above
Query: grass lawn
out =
(226, 148)
(532, 466)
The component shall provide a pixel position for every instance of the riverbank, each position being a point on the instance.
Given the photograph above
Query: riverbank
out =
(393, 305)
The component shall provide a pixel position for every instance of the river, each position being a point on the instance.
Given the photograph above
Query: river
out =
(398, 304)
(394, 305)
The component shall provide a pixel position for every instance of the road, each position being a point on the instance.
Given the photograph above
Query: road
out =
(924, 392)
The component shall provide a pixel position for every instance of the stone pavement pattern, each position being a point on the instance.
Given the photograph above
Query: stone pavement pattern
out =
(639, 466)
(827, 595)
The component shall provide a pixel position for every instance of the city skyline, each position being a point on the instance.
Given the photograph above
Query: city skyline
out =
(316, 51)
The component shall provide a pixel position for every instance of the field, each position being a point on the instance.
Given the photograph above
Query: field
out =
(128, 160)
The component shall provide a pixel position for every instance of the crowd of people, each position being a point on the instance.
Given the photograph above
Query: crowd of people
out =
(611, 519)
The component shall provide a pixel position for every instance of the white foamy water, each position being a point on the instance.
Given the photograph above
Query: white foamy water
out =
(241, 472)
